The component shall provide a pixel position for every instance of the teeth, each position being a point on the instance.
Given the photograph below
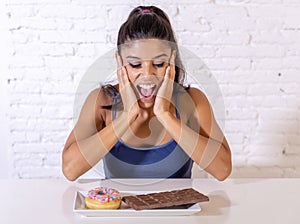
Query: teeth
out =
(146, 86)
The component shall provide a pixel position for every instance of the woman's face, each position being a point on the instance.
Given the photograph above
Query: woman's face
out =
(146, 61)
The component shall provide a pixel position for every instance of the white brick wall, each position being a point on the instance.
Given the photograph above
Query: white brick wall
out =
(251, 46)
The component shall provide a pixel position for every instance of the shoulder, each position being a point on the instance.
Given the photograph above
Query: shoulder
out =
(194, 96)
(195, 105)
(99, 98)
(197, 95)
(97, 105)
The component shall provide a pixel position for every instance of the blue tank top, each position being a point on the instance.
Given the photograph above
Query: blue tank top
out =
(164, 161)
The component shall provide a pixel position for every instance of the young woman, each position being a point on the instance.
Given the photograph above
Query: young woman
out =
(148, 125)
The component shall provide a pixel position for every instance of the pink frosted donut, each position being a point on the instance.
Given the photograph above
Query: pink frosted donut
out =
(103, 198)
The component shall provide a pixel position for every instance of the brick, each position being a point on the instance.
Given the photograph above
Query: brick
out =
(72, 36)
(258, 51)
(214, 38)
(61, 112)
(21, 11)
(241, 114)
(70, 62)
(291, 20)
(249, 77)
(284, 161)
(54, 137)
(28, 159)
(238, 101)
(239, 126)
(111, 2)
(288, 75)
(263, 89)
(267, 24)
(22, 36)
(37, 24)
(34, 2)
(24, 111)
(292, 50)
(39, 124)
(38, 172)
(116, 16)
(94, 24)
(267, 11)
(263, 171)
(293, 139)
(52, 160)
(292, 150)
(291, 172)
(37, 147)
(261, 149)
(42, 99)
(268, 63)
(282, 126)
(23, 137)
(238, 161)
(238, 150)
(291, 62)
(232, 2)
(85, 50)
(20, 86)
(263, 2)
(230, 64)
(235, 139)
(64, 11)
(267, 37)
(201, 51)
(235, 90)
(26, 62)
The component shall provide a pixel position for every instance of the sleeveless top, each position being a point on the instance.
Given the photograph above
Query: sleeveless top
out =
(163, 161)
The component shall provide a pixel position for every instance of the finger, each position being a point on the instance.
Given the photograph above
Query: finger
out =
(125, 74)
(172, 64)
(120, 78)
(173, 56)
(167, 73)
(119, 67)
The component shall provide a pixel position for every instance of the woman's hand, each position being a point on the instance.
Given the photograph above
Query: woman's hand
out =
(165, 92)
(130, 103)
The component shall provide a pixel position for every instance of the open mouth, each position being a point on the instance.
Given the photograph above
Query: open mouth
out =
(146, 90)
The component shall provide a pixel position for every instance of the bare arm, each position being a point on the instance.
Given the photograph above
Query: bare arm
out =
(207, 146)
(89, 141)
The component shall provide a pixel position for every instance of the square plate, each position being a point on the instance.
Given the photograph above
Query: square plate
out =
(125, 210)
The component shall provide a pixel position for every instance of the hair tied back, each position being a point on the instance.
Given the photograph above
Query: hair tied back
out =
(146, 11)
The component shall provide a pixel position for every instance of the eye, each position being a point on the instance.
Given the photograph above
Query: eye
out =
(159, 65)
(134, 65)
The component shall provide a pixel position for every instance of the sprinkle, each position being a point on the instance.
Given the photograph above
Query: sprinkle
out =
(103, 194)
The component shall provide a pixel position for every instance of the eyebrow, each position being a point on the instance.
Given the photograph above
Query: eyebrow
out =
(158, 56)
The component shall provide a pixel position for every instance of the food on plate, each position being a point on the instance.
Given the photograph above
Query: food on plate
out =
(166, 199)
(103, 198)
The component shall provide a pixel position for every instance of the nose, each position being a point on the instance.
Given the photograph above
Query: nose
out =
(147, 68)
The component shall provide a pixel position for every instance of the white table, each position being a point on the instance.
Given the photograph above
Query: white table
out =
(232, 201)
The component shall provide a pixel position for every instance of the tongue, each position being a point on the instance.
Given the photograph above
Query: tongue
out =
(146, 92)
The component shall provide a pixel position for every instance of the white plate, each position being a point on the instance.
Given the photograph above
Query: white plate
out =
(79, 207)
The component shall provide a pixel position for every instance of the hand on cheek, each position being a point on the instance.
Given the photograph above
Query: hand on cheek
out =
(164, 94)
(128, 96)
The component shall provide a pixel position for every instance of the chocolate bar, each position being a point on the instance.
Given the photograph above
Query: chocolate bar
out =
(166, 199)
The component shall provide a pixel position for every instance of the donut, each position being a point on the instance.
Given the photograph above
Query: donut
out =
(103, 198)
